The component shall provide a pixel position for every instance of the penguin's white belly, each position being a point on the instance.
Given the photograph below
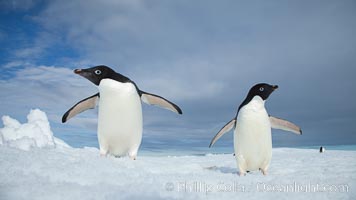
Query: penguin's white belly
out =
(120, 118)
(252, 137)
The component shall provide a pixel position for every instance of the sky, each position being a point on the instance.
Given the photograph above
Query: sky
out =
(203, 55)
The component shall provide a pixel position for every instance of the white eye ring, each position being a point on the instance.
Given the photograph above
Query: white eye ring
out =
(261, 89)
(97, 72)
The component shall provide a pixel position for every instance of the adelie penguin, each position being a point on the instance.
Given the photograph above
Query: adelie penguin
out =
(120, 110)
(321, 149)
(252, 135)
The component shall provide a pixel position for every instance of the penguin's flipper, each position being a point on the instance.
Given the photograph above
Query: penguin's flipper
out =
(285, 125)
(222, 131)
(152, 99)
(83, 105)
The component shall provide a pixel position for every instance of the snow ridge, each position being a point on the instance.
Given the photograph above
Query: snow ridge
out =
(35, 133)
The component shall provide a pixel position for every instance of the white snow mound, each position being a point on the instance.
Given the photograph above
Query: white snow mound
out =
(35, 133)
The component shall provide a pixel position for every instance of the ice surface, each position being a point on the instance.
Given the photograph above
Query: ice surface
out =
(35, 133)
(49, 172)
(70, 173)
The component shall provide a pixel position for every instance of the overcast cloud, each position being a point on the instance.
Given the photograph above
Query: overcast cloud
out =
(202, 55)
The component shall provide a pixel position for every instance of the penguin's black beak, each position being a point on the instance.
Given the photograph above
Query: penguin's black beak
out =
(274, 87)
(87, 73)
(77, 71)
(82, 72)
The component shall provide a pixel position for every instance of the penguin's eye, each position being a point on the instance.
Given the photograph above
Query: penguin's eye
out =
(261, 89)
(97, 72)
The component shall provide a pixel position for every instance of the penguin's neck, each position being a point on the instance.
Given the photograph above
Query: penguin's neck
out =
(256, 104)
(253, 112)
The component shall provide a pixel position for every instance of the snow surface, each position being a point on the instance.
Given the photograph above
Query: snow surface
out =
(34, 169)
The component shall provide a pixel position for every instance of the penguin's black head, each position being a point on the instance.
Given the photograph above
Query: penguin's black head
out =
(262, 89)
(100, 72)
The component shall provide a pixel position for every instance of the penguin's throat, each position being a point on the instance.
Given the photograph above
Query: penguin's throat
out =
(257, 103)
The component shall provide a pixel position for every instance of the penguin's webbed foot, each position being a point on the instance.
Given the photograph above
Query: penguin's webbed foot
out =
(264, 172)
(133, 157)
(103, 153)
(241, 173)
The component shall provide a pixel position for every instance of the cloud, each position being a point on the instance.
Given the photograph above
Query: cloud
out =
(15, 64)
(47, 87)
(28, 52)
(37, 48)
(17, 5)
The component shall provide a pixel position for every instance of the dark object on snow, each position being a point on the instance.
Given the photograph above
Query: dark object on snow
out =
(322, 149)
